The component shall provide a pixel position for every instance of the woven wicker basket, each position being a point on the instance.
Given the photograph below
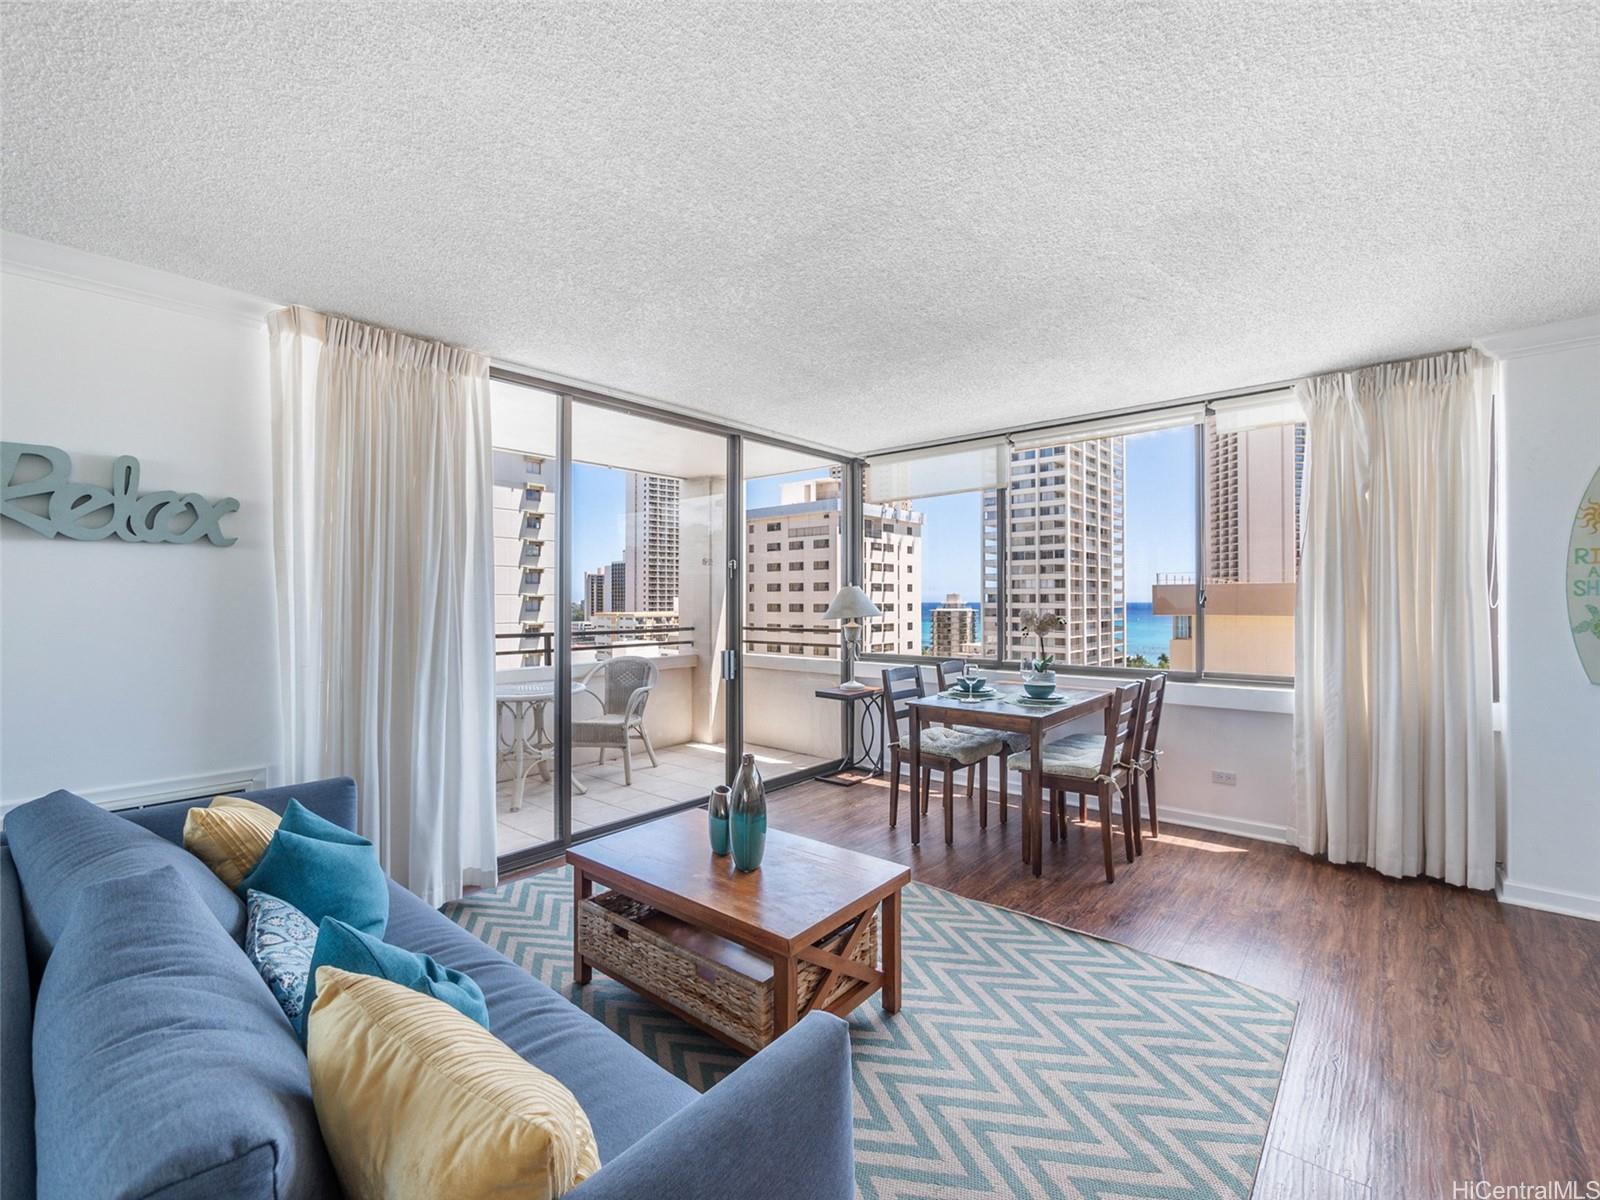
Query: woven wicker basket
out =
(725, 1002)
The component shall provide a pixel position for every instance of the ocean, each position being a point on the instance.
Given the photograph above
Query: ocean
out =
(1148, 634)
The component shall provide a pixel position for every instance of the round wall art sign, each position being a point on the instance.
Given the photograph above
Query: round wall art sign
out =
(1583, 579)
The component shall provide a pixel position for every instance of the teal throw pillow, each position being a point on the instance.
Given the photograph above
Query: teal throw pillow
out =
(338, 945)
(297, 818)
(324, 879)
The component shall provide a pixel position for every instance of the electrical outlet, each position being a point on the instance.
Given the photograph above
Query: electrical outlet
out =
(1225, 778)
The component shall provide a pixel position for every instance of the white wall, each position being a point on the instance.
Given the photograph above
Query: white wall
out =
(1550, 397)
(134, 669)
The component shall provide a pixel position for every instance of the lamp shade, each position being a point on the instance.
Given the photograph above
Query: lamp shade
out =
(851, 604)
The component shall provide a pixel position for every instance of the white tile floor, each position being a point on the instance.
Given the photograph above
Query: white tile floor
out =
(686, 772)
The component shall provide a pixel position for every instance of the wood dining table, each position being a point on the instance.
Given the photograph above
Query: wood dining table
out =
(1002, 713)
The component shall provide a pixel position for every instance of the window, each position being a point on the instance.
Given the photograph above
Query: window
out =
(1254, 473)
(1115, 530)
(929, 551)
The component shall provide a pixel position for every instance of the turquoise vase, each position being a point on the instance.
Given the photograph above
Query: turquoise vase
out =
(747, 816)
(717, 818)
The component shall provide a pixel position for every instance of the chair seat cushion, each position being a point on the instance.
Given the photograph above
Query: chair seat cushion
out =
(966, 748)
(1077, 756)
(1014, 743)
(162, 1065)
(604, 721)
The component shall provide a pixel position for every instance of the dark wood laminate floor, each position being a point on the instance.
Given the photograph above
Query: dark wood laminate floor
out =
(1442, 1036)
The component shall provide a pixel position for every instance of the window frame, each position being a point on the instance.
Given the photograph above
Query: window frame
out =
(1002, 604)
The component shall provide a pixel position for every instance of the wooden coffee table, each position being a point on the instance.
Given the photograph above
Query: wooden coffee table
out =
(804, 891)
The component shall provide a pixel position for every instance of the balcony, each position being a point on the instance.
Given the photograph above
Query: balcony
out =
(786, 727)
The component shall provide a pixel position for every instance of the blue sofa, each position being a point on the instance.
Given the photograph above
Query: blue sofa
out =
(779, 1127)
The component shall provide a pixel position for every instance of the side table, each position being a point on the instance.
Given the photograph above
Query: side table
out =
(864, 750)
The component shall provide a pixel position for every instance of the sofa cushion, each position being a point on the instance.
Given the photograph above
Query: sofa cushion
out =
(152, 1030)
(61, 844)
(324, 879)
(417, 1101)
(280, 941)
(338, 945)
(16, 1042)
(229, 835)
(625, 1094)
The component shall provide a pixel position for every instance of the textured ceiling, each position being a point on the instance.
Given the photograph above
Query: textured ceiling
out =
(860, 225)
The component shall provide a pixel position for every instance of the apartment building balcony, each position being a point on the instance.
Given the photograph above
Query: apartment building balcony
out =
(786, 727)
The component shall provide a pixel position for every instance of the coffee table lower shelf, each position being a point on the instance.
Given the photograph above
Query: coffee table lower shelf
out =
(715, 983)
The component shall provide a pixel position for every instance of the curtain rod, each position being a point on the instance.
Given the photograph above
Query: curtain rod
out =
(1163, 406)
(1086, 418)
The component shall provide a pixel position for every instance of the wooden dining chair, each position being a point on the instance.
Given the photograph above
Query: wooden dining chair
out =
(1146, 758)
(1090, 765)
(942, 748)
(948, 672)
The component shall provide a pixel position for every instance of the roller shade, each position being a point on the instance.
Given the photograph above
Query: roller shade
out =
(914, 474)
(1257, 412)
(1125, 425)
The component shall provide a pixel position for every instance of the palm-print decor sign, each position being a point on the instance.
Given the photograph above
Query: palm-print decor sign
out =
(37, 491)
(1583, 579)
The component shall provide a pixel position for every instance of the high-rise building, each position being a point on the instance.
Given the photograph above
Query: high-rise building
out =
(1064, 553)
(651, 542)
(616, 587)
(1253, 484)
(793, 555)
(524, 564)
(594, 592)
(1253, 481)
(954, 632)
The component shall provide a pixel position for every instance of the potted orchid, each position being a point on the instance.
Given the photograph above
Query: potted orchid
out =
(1039, 672)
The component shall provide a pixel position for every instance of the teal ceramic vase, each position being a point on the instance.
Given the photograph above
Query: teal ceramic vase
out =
(717, 818)
(747, 816)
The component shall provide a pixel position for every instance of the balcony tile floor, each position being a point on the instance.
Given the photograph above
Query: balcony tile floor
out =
(687, 772)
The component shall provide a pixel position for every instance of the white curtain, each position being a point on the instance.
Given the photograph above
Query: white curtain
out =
(385, 587)
(1394, 758)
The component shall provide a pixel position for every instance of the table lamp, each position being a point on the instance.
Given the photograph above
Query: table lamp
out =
(850, 607)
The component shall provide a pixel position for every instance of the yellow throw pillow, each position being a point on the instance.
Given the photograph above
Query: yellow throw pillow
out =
(229, 835)
(417, 1101)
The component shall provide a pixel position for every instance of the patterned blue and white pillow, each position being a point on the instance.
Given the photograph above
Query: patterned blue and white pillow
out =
(280, 940)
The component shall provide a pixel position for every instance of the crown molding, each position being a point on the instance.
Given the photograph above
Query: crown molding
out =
(67, 266)
(1542, 339)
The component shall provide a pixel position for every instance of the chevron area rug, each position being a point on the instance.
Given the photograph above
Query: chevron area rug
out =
(1026, 1060)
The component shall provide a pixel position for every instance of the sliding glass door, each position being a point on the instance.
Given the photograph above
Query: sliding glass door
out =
(527, 504)
(794, 545)
(648, 613)
(637, 646)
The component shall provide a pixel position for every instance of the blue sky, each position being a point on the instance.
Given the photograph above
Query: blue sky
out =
(1158, 510)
